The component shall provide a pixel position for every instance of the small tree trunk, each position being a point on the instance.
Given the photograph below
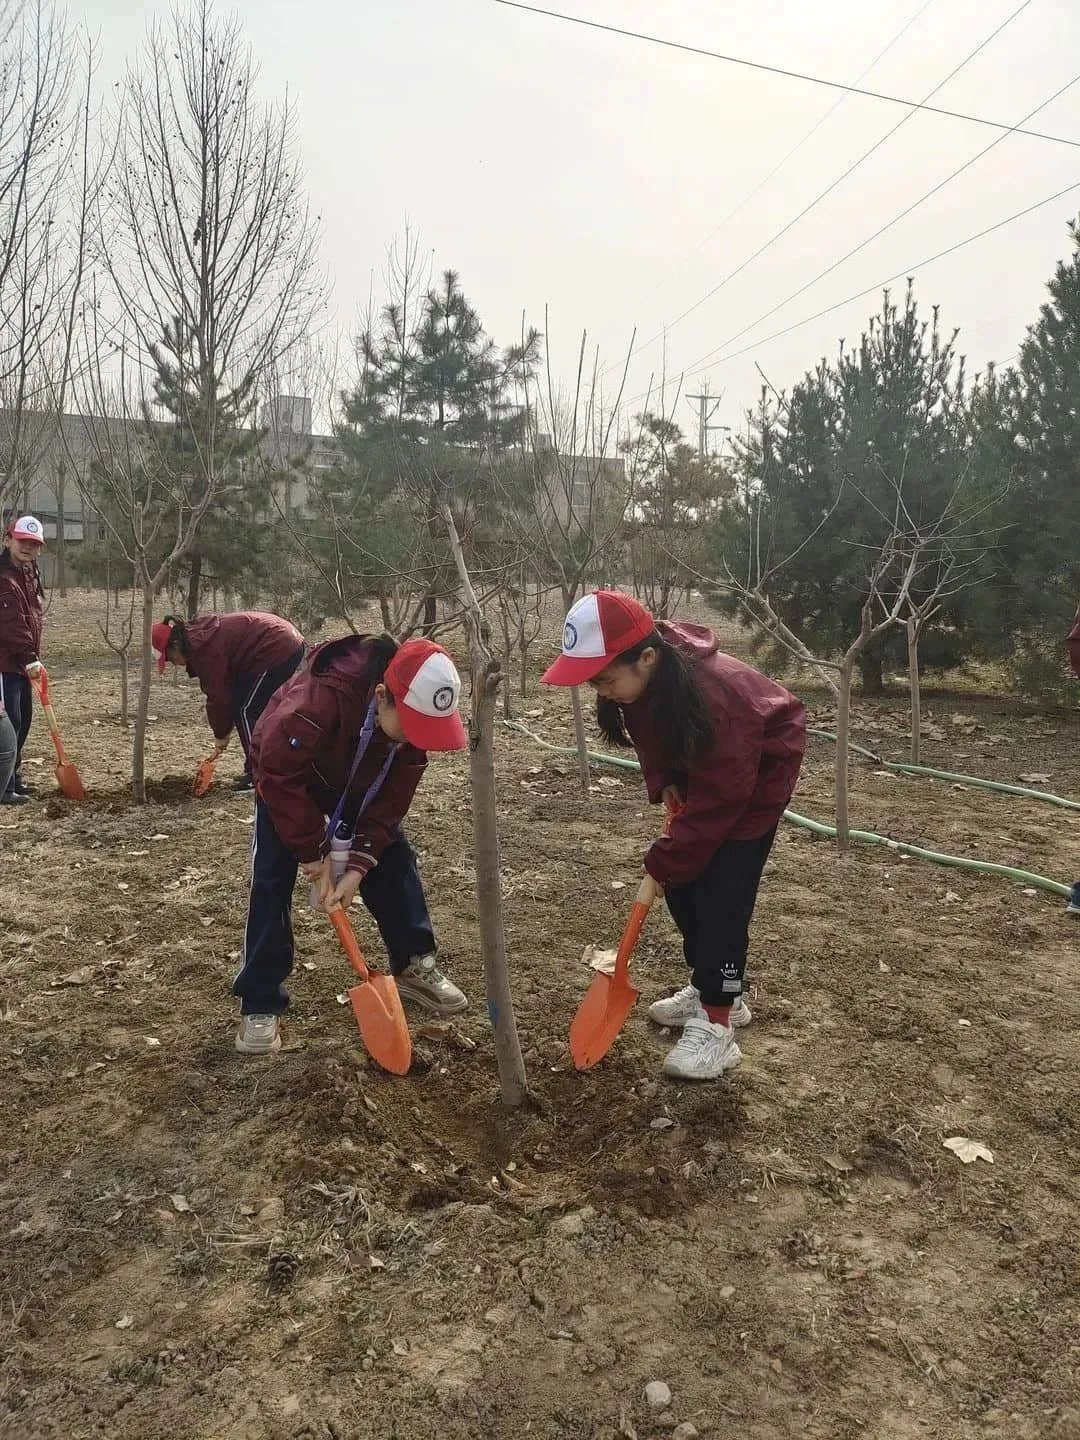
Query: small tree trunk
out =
(523, 663)
(142, 704)
(912, 628)
(843, 732)
(508, 648)
(61, 529)
(384, 611)
(124, 718)
(871, 673)
(194, 582)
(431, 614)
(486, 679)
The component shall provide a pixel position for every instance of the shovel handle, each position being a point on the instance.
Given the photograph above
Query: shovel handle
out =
(340, 922)
(648, 890)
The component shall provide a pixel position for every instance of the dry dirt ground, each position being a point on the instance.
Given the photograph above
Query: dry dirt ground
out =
(192, 1245)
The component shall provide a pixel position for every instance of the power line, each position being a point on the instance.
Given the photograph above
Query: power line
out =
(741, 206)
(779, 70)
(833, 185)
(872, 289)
(902, 215)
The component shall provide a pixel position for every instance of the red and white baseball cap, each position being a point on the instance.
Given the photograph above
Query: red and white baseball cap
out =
(27, 527)
(159, 643)
(426, 688)
(598, 628)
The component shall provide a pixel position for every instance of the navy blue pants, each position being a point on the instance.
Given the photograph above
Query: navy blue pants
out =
(16, 695)
(251, 695)
(392, 891)
(713, 914)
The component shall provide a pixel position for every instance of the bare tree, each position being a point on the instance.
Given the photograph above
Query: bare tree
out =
(568, 502)
(486, 679)
(210, 252)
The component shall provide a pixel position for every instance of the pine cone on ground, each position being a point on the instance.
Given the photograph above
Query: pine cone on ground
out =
(281, 1269)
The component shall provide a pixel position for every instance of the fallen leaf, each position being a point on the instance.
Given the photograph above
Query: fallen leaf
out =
(601, 960)
(964, 1024)
(1035, 779)
(885, 969)
(968, 1151)
(122, 885)
(400, 1347)
(618, 884)
(125, 1322)
(374, 1263)
(1028, 890)
(661, 1123)
(153, 1043)
(75, 977)
(342, 999)
(837, 1163)
(180, 1204)
(435, 1030)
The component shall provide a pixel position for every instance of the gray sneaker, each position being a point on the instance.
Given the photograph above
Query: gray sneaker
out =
(685, 1004)
(423, 982)
(258, 1035)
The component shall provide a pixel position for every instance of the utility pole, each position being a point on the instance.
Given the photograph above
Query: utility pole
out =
(706, 408)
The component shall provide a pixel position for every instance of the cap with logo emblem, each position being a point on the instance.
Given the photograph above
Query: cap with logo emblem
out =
(598, 628)
(27, 527)
(426, 688)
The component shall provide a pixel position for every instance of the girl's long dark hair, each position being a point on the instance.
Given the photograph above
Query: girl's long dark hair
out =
(177, 634)
(383, 649)
(682, 717)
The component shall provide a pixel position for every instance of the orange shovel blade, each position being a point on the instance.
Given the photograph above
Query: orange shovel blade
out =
(383, 1028)
(600, 1016)
(376, 1004)
(204, 776)
(70, 782)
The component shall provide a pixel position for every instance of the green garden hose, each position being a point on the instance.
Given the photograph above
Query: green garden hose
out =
(863, 837)
(974, 780)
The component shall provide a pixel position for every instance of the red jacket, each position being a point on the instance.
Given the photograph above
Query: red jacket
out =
(303, 748)
(223, 650)
(1072, 644)
(738, 789)
(22, 615)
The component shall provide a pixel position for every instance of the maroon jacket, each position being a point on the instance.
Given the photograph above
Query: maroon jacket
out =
(1072, 644)
(303, 748)
(22, 615)
(223, 650)
(739, 789)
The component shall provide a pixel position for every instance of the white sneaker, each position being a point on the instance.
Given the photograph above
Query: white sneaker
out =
(424, 983)
(704, 1051)
(677, 1009)
(258, 1035)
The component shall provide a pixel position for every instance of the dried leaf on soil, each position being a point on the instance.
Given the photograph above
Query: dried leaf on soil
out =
(968, 1151)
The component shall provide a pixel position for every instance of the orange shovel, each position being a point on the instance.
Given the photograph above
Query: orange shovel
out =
(610, 998)
(204, 775)
(376, 1005)
(67, 777)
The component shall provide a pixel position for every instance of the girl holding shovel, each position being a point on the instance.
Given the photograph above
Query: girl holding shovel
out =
(347, 737)
(719, 743)
(22, 603)
(239, 660)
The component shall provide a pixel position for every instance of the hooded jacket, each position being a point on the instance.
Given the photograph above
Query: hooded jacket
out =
(303, 748)
(22, 615)
(740, 787)
(223, 650)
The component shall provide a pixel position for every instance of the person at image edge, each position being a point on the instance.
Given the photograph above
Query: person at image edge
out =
(721, 745)
(22, 612)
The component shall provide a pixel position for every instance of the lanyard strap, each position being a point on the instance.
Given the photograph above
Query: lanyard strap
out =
(373, 789)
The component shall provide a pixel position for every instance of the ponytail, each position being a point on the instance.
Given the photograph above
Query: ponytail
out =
(682, 717)
(383, 649)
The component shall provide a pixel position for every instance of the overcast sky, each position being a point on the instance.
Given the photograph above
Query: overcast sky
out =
(586, 172)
